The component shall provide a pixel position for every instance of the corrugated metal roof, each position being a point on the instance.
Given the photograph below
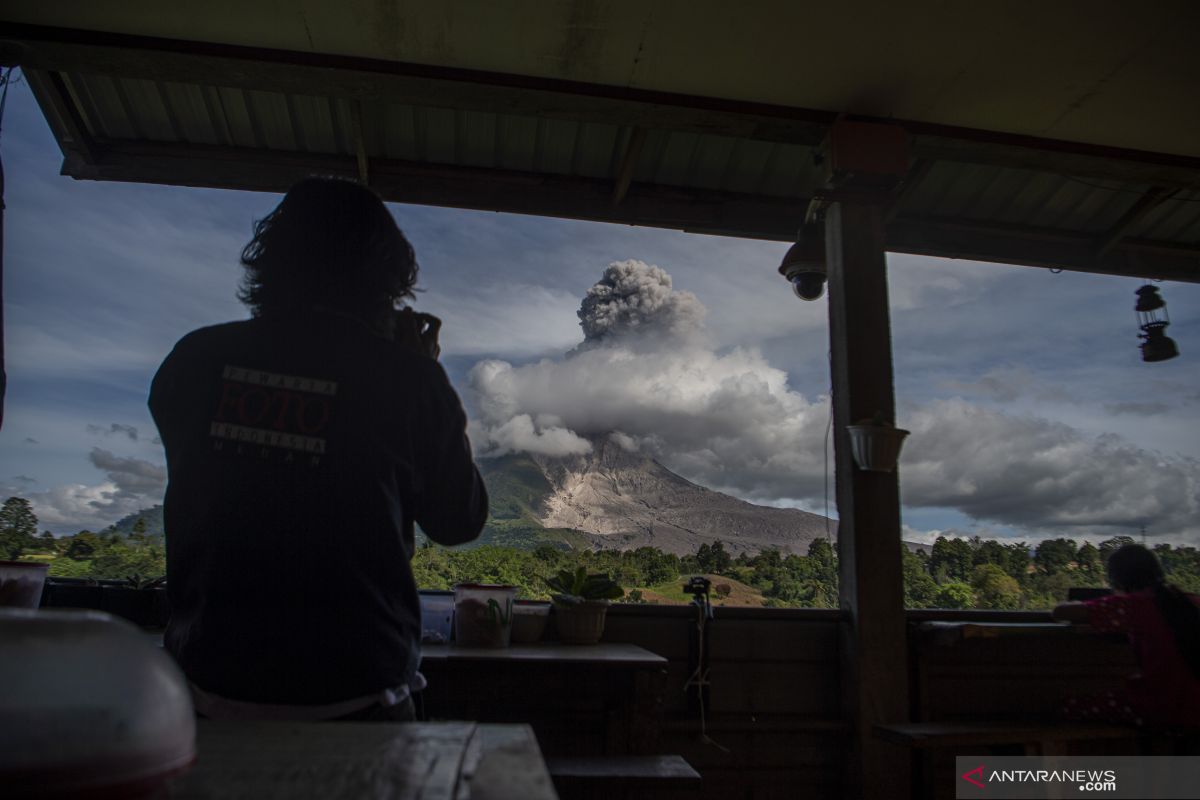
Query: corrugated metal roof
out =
(130, 109)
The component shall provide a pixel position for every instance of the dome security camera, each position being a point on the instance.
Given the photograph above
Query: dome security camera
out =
(804, 263)
(807, 283)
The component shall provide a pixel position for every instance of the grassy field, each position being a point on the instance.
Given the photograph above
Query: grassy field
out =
(672, 593)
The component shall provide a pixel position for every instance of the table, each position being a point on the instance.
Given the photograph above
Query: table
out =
(363, 760)
(619, 655)
(580, 699)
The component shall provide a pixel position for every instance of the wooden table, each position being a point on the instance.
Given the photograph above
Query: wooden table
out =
(603, 699)
(618, 655)
(364, 761)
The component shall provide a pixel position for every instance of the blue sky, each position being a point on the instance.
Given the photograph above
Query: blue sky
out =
(1032, 414)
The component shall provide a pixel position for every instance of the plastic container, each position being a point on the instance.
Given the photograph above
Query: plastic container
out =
(21, 583)
(92, 707)
(483, 614)
(437, 616)
(581, 623)
(529, 621)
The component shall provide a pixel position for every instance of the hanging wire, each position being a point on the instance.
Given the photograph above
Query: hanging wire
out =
(6, 79)
(699, 677)
(825, 450)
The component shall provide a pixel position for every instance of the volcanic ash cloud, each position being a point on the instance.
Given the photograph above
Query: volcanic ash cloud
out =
(646, 371)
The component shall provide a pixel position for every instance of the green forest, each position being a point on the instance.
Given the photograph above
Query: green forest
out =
(953, 573)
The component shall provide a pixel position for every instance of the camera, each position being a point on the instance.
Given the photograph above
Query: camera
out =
(697, 586)
(807, 284)
(804, 262)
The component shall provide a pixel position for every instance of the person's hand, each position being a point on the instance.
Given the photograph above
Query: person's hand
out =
(418, 332)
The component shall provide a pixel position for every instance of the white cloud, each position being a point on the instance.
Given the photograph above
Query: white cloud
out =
(131, 484)
(1037, 473)
(133, 477)
(130, 432)
(496, 318)
(71, 508)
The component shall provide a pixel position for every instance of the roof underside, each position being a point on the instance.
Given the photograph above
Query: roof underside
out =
(672, 134)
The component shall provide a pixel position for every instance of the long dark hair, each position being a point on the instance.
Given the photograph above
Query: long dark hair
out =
(330, 242)
(1133, 568)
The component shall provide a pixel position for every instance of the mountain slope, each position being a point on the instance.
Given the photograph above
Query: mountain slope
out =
(613, 498)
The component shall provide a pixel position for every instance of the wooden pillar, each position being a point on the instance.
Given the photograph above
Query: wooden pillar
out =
(874, 650)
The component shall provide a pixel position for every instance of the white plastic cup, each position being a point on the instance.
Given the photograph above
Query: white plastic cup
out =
(21, 583)
(483, 614)
(437, 616)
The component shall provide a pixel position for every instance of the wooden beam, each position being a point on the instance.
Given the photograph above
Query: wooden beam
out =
(1149, 201)
(874, 643)
(674, 207)
(912, 181)
(628, 163)
(718, 213)
(950, 237)
(988, 148)
(63, 114)
(360, 147)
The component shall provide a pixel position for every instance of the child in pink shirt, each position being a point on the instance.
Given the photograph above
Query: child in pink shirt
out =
(1163, 625)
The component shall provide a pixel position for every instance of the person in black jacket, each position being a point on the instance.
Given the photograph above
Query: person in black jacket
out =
(302, 446)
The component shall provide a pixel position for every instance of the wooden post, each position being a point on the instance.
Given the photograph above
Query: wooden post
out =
(874, 650)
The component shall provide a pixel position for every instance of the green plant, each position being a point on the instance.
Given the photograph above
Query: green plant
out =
(496, 614)
(136, 581)
(572, 588)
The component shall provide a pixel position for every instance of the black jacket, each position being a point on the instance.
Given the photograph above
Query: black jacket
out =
(300, 451)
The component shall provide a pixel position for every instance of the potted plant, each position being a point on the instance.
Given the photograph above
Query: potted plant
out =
(581, 601)
(876, 443)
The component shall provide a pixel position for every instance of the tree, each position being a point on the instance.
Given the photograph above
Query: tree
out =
(823, 561)
(715, 559)
(82, 546)
(1054, 555)
(954, 595)
(654, 565)
(919, 588)
(47, 543)
(989, 551)
(951, 559)
(18, 527)
(994, 588)
(138, 535)
(1090, 565)
(1109, 545)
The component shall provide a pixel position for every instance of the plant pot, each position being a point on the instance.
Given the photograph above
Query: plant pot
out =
(529, 621)
(876, 448)
(581, 623)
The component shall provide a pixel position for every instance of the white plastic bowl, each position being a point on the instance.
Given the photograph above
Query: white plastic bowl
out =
(89, 705)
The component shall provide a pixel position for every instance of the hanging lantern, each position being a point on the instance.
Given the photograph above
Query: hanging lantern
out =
(1153, 321)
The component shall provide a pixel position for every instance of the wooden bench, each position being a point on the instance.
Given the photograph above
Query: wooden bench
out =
(621, 777)
(1037, 738)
